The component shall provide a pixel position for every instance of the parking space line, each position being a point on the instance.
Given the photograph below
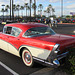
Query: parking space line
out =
(7, 68)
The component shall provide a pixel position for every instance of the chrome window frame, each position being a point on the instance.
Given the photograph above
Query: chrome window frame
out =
(11, 31)
(36, 35)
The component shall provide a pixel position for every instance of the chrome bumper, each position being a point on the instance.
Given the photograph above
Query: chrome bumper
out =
(54, 63)
(59, 57)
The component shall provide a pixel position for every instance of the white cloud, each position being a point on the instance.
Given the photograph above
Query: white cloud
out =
(70, 1)
(72, 6)
(54, 1)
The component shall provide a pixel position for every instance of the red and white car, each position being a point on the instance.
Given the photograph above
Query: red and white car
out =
(35, 42)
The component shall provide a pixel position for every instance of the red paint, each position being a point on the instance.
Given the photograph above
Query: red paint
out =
(44, 42)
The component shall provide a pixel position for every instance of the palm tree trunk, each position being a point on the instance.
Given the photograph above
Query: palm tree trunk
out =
(3, 16)
(26, 12)
(18, 14)
(35, 9)
(30, 10)
(50, 13)
(10, 9)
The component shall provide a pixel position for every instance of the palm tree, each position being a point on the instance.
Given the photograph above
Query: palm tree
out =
(48, 11)
(26, 5)
(10, 9)
(34, 7)
(28, 8)
(22, 8)
(18, 8)
(44, 12)
(14, 9)
(40, 7)
(50, 7)
(53, 11)
(7, 7)
(2, 10)
(6, 10)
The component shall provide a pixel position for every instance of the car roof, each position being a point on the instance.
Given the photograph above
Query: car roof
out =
(26, 26)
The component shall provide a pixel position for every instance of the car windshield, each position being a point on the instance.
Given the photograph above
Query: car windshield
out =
(38, 31)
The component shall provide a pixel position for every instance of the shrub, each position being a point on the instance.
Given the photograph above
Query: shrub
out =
(69, 66)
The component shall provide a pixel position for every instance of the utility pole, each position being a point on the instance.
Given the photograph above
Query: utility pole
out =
(10, 9)
(30, 10)
(35, 8)
(61, 8)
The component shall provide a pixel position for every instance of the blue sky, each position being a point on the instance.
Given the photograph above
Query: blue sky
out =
(69, 5)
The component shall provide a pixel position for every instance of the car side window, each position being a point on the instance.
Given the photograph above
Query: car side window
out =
(15, 31)
(7, 30)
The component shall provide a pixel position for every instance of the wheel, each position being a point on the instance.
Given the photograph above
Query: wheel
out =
(27, 58)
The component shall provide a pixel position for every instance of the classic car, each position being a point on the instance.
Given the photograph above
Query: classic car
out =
(35, 42)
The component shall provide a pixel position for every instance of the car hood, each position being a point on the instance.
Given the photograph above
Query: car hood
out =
(65, 41)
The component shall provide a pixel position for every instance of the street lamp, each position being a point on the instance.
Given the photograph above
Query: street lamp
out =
(3, 12)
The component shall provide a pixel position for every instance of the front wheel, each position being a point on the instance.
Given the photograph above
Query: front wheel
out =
(27, 58)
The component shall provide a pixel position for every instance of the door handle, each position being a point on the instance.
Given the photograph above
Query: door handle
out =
(18, 39)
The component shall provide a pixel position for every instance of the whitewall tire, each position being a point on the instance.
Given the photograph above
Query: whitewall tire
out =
(27, 58)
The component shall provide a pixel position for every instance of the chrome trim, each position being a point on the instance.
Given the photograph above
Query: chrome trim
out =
(42, 61)
(53, 55)
(55, 47)
(38, 59)
(12, 28)
(49, 63)
(62, 55)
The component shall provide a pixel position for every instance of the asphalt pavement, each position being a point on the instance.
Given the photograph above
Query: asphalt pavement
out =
(13, 65)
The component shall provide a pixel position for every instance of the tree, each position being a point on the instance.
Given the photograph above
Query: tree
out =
(68, 16)
(2, 10)
(28, 8)
(34, 7)
(50, 8)
(6, 10)
(18, 8)
(48, 11)
(53, 11)
(45, 12)
(7, 7)
(26, 5)
(22, 8)
(40, 7)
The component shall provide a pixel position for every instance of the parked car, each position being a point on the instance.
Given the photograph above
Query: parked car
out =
(35, 42)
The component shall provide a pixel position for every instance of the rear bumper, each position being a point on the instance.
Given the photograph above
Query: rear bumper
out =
(59, 57)
(54, 63)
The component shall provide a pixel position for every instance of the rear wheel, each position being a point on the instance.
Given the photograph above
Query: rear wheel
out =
(27, 58)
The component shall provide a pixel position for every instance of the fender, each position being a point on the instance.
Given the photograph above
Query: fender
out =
(37, 52)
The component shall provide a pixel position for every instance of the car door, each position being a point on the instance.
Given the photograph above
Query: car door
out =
(4, 41)
(14, 40)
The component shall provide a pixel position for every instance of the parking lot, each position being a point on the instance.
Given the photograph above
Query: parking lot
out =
(13, 65)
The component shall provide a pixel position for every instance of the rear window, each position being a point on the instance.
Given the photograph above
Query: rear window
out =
(39, 31)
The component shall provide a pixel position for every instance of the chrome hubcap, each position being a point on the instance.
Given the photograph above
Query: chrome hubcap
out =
(27, 58)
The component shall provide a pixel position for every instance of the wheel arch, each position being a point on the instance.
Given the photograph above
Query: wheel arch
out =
(21, 50)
